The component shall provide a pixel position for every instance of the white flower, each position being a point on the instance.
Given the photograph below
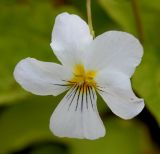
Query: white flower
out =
(102, 65)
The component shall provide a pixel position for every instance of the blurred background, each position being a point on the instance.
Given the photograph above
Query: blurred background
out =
(25, 31)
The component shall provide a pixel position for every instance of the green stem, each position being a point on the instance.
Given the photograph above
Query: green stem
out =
(89, 16)
(138, 22)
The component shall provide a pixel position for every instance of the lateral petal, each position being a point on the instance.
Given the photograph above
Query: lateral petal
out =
(115, 89)
(42, 78)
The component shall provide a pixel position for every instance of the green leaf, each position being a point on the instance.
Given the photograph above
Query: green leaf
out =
(122, 137)
(49, 148)
(121, 12)
(26, 122)
(146, 81)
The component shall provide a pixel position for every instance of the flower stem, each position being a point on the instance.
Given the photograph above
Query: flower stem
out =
(89, 16)
(136, 13)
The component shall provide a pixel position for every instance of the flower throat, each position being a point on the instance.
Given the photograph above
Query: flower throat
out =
(82, 77)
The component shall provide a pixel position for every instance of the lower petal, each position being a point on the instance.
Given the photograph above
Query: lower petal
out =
(76, 116)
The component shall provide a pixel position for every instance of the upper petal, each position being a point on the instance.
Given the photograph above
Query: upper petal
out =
(115, 89)
(115, 50)
(42, 78)
(77, 116)
(70, 36)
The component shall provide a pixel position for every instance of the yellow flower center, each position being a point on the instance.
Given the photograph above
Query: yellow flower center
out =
(83, 77)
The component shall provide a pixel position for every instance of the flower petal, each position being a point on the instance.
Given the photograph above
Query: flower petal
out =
(70, 37)
(115, 89)
(115, 50)
(42, 78)
(77, 116)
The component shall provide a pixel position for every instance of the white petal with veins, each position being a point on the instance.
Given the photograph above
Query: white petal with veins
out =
(42, 78)
(77, 116)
